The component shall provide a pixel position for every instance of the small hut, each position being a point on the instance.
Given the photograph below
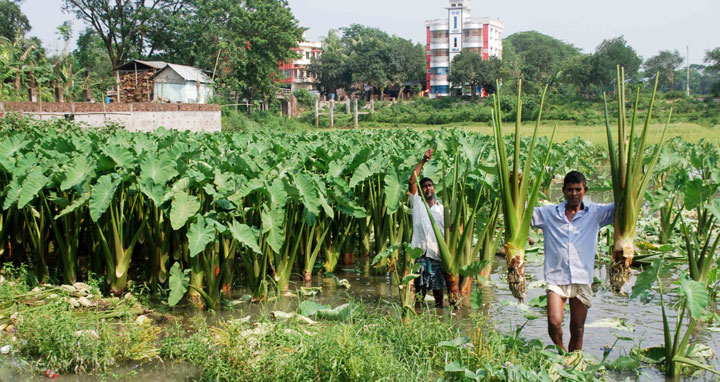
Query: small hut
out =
(183, 84)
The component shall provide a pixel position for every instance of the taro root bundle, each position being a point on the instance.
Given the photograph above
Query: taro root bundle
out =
(517, 202)
(631, 174)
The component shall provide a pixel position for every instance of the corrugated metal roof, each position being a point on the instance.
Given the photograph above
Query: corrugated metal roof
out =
(154, 64)
(188, 73)
(157, 65)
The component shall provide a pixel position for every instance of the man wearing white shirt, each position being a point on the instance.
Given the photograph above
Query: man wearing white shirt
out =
(432, 275)
(570, 230)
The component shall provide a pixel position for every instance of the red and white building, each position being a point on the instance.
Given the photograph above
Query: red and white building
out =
(294, 74)
(447, 37)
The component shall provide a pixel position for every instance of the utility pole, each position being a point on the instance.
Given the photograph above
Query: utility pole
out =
(687, 82)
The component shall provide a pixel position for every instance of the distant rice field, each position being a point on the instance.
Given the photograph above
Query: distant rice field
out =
(596, 134)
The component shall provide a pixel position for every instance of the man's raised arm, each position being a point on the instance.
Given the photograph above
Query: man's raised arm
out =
(413, 180)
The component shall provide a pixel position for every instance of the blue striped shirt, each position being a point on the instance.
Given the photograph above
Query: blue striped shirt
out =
(570, 246)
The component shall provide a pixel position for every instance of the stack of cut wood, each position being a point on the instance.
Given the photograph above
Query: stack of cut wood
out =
(136, 87)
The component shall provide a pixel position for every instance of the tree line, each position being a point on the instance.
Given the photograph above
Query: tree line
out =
(368, 56)
(241, 44)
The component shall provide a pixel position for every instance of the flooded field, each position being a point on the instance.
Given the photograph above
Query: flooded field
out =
(610, 316)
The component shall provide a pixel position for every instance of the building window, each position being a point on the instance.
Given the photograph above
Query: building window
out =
(455, 42)
(455, 22)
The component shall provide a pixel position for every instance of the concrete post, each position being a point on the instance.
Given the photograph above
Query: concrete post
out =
(347, 105)
(332, 113)
(317, 116)
(355, 114)
(372, 105)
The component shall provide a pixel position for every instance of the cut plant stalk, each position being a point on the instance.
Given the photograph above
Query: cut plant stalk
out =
(630, 178)
(517, 203)
(488, 240)
(458, 191)
(701, 252)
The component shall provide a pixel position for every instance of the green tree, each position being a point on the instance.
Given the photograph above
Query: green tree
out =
(368, 55)
(329, 69)
(468, 68)
(511, 68)
(491, 70)
(92, 57)
(712, 58)
(588, 73)
(12, 20)
(665, 63)
(541, 58)
(179, 33)
(23, 67)
(465, 69)
(250, 39)
(122, 25)
(578, 73)
(608, 55)
(701, 79)
(379, 60)
(407, 63)
(63, 75)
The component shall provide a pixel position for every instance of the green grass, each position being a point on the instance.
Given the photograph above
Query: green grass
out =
(366, 344)
(690, 132)
(365, 347)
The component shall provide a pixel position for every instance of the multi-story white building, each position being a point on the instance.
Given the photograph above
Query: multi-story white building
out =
(295, 74)
(446, 38)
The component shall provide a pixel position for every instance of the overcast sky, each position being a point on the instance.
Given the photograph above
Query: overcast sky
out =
(648, 26)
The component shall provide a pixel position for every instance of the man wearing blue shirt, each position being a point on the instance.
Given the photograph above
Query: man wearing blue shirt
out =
(570, 230)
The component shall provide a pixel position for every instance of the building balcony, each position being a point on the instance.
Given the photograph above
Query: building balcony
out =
(472, 40)
(437, 25)
(442, 62)
(439, 45)
(439, 82)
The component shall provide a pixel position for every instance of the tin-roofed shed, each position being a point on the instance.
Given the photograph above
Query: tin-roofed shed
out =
(180, 83)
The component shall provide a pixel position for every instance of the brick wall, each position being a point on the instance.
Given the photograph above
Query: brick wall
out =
(86, 107)
(134, 116)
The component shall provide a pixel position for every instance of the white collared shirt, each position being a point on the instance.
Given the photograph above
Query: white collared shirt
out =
(423, 235)
(570, 246)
